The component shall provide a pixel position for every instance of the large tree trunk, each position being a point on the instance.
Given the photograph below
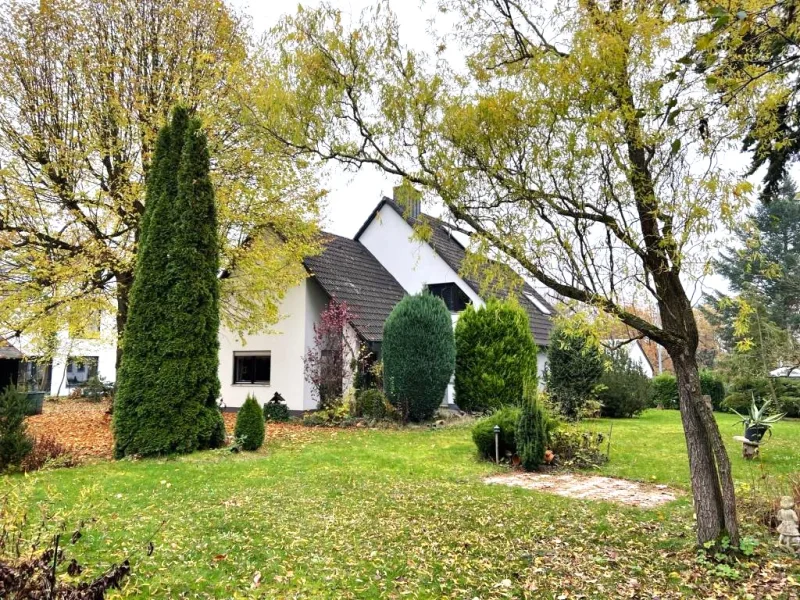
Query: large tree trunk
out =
(124, 282)
(712, 482)
(709, 464)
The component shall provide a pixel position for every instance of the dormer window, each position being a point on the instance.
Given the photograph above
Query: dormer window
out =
(538, 304)
(453, 296)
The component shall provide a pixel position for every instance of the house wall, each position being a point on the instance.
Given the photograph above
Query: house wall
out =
(104, 347)
(413, 263)
(287, 346)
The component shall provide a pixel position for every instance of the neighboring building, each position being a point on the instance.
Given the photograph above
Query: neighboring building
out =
(370, 273)
(636, 353)
(785, 372)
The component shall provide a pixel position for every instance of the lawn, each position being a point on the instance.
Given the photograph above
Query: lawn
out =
(393, 514)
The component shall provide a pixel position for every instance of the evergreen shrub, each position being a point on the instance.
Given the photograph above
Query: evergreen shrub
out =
(418, 355)
(250, 424)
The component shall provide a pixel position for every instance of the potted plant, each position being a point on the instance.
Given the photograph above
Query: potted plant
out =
(757, 422)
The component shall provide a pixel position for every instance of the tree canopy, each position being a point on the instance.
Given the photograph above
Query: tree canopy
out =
(87, 84)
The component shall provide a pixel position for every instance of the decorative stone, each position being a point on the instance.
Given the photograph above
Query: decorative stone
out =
(787, 517)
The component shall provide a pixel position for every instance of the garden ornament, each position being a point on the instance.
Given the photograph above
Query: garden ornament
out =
(789, 535)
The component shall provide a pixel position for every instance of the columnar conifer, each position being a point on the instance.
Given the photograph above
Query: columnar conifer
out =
(168, 382)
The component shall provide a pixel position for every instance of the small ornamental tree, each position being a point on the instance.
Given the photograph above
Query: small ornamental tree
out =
(250, 424)
(494, 352)
(168, 383)
(418, 355)
(330, 358)
(531, 435)
(575, 365)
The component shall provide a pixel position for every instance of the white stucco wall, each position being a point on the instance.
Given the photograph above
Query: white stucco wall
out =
(286, 345)
(413, 263)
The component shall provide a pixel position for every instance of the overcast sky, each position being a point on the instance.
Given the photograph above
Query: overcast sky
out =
(352, 195)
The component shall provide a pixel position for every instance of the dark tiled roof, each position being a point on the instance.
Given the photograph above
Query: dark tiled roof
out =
(7, 351)
(453, 253)
(348, 272)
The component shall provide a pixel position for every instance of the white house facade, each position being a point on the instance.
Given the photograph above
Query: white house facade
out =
(370, 273)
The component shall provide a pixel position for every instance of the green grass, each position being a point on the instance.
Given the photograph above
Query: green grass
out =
(652, 448)
(391, 514)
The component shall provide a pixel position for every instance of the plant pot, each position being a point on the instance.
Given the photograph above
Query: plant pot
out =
(754, 433)
(35, 403)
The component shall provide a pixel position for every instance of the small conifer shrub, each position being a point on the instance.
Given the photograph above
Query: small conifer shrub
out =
(15, 444)
(250, 424)
(531, 434)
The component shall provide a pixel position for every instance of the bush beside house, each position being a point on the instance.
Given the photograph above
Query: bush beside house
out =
(494, 352)
(418, 355)
(250, 425)
(575, 364)
(624, 389)
(168, 381)
(742, 390)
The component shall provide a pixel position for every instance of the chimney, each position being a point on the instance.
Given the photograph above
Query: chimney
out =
(408, 198)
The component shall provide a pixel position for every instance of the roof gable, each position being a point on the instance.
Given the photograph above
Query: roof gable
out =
(453, 253)
(349, 273)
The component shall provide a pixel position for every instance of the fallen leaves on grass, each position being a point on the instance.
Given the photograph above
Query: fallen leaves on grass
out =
(84, 428)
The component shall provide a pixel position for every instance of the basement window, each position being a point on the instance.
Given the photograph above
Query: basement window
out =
(252, 368)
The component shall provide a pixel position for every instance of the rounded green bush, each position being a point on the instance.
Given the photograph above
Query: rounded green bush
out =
(625, 389)
(275, 410)
(418, 355)
(495, 352)
(250, 424)
(373, 404)
(483, 432)
(711, 385)
(665, 390)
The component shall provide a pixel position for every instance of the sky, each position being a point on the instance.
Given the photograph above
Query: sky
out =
(353, 196)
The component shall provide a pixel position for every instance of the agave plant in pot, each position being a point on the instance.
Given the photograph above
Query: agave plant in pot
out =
(757, 421)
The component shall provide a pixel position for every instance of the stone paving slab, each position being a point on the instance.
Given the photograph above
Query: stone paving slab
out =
(590, 487)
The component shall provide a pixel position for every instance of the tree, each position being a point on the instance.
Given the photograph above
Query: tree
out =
(575, 363)
(87, 84)
(765, 261)
(15, 443)
(250, 424)
(495, 353)
(329, 361)
(418, 355)
(602, 184)
(531, 434)
(751, 57)
(168, 383)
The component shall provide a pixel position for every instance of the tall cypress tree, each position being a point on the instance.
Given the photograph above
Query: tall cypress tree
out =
(168, 382)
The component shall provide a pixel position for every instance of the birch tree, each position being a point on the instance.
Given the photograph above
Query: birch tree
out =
(86, 86)
(577, 140)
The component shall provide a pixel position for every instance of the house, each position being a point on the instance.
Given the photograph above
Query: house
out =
(370, 273)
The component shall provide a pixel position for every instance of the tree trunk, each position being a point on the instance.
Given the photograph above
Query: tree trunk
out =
(711, 478)
(124, 282)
